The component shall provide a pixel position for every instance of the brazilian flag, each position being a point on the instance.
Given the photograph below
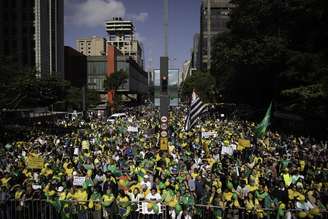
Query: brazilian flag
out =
(262, 127)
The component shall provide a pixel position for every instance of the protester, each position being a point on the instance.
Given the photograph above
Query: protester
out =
(116, 168)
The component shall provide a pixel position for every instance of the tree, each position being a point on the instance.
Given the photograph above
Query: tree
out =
(115, 80)
(112, 84)
(73, 99)
(275, 50)
(202, 82)
(20, 88)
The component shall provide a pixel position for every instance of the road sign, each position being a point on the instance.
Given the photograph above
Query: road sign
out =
(164, 119)
(164, 126)
(164, 144)
(164, 134)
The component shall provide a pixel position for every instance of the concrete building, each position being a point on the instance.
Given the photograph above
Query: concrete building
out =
(219, 16)
(121, 35)
(195, 56)
(91, 46)
(32, 35)
(75, 67)
(98, 67)
(137, 81)
(185, 72)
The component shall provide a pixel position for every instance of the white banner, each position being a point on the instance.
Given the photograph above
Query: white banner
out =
(145, 210)
(209, 134)
(78, 181)
(132, 129)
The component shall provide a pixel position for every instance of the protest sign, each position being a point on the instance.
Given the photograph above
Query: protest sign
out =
(227, 150)
(243, 143)
(209, 134)
(132, 129)
(35, 162)
(76, 151)
(164, 144)
(146, 210)
(78, 180)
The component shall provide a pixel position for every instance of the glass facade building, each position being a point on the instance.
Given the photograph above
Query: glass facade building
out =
(96, 68)
(220, 16)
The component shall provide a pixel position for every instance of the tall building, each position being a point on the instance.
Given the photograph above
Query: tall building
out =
(219, 17)
(91, 46)
(195, 57)
(121, 35)
(32, 35)
(185, 72)
(75, 67)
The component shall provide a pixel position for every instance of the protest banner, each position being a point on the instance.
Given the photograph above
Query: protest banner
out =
(146, 210)
(132, 129)
(164, 144)
(243, 143)
(35, 162)
(209, 134)
(78, 180)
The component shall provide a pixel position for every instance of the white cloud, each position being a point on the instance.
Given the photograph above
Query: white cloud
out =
(93, 13)
(141, 17)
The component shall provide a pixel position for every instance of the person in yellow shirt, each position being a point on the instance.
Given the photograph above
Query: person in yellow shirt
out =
(124, 204)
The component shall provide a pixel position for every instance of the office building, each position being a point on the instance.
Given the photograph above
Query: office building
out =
(186, 69)
(96, 71)
(122, 36)
(75, 67)
(195, 56)
(91, 46)
(32, 35)
(219, 17)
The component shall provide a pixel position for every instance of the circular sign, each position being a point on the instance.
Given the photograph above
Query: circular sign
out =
(164, 134)
(164, 119)
(164, 126)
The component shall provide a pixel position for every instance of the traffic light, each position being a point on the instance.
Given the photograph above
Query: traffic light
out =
(164, 84)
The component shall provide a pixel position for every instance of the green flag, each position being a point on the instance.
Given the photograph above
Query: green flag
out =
(262, 127)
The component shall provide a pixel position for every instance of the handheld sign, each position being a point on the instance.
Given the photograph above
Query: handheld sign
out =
(163, 144)
(35, 162)
(132, 129)
(78, 181)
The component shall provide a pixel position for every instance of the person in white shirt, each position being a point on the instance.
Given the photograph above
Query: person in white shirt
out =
(136, 195)
(153, 196)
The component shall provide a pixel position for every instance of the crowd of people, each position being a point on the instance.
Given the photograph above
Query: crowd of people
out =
(105, 168)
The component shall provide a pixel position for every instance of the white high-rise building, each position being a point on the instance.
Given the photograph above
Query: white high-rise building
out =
(121, 35)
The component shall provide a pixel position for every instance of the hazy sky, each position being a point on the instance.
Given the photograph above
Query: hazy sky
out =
(86, 18)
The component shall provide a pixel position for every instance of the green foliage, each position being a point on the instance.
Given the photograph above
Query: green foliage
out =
(275, 50)
(19, 88)
(202, 82)
(74, 99)
(115, 80)
(93, 98)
